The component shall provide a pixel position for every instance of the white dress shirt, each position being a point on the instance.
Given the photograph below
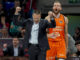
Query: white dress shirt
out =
(16, 51)
(34, 34)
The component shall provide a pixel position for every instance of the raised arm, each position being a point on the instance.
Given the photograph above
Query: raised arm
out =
(50, 20)
(17, 19)
(51, 23)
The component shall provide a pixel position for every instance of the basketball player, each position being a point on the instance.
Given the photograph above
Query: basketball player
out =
(57, 37)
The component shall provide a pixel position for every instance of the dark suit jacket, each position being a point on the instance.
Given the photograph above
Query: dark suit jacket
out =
(42, 35)
(10, 51)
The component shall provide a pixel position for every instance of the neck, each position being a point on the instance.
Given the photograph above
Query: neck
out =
(36, 22)
(15, 46)
(57, 15)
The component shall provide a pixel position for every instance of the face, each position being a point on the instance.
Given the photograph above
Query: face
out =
(17, 3)
(77, 30)
(36, 17)
(15, 41)
(78, 47)
(3, 20)
(5, 45)
(0, 6)
(57, 7)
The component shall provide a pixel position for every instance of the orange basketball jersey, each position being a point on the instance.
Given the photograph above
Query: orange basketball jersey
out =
(58, 31)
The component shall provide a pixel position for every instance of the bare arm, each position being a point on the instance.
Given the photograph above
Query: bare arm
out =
(66, 31)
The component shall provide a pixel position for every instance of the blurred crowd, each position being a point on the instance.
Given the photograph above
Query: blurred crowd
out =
(15, 49)
(7, 10)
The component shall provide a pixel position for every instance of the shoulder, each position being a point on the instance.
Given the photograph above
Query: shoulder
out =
(30, 19)
(44, 20)
(46, 17)
(21, 48)
(27, 20)
(10, 47)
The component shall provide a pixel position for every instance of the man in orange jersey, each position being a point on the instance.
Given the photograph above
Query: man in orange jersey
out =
(58, 37)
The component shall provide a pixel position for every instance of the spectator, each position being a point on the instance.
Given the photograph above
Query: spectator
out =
(15, 30)
(15, 49)
(1, 52)
(1, 10)
(78, 48)
(71, 46)
(12, 10)
(77, 34)
(23, 32)
(7, 6)
(22, 2)
(29, 8)
(4, 27)
(4, 48)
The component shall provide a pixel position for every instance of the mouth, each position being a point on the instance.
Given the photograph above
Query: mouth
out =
(56, 10)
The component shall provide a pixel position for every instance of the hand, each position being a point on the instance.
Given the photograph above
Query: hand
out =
(17, 10)
(50, 14)
(23, 30)
(54, 15)
(12, 26)
(51, 17)
(48, 19)
(52, 35)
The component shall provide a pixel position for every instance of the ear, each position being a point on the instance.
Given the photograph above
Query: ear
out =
(53, 7)
(61, 8)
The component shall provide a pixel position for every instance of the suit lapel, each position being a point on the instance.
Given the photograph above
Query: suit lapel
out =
(12, 51)
(31, 26)
(40, 24)
(19, 51)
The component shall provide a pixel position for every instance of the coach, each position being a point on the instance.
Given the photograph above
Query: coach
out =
(35, 36)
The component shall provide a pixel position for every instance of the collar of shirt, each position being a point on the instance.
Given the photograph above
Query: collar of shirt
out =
(16, 51)
(34, 34)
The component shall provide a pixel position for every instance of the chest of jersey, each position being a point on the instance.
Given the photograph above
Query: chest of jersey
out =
(58, 31)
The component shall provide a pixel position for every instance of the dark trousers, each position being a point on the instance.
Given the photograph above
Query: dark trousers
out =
(35, 53)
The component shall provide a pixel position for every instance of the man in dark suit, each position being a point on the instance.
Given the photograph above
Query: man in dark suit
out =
(15, 49)
(35, 36)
